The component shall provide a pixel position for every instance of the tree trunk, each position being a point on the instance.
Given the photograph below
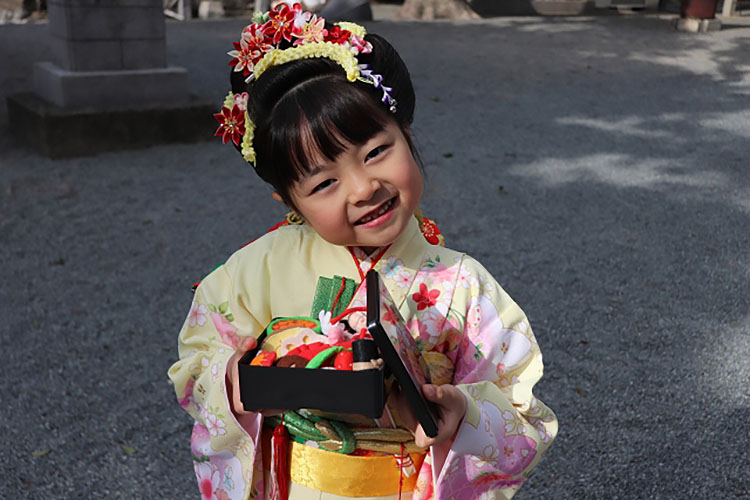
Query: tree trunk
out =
(436, 9)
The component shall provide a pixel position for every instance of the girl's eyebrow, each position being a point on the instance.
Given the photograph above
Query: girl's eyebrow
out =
(315, 170)
(378, 137)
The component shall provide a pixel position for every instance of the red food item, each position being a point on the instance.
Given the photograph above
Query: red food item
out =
(343, 360)
(308, 351)
(263, 358)
(346, 344)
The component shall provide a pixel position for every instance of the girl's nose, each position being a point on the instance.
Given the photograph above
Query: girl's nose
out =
(363, 187)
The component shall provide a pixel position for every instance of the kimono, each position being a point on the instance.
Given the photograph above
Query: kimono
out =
(459, 315)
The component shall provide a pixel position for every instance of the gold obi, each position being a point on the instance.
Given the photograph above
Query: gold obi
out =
(346, 475)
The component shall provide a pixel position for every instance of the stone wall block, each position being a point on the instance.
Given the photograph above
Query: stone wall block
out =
(57, 20)
(107, 23)
(47, 83)
(101, 55)
(59, 133)
(133, 87)
(143, 54)
(106, 3)
(142, 23)
(110, 89)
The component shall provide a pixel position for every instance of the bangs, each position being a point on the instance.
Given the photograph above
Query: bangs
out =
(319, 120)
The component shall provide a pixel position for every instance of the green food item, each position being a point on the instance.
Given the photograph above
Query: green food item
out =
(323, 356)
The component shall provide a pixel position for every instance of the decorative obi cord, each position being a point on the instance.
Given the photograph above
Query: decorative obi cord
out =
(347, 475)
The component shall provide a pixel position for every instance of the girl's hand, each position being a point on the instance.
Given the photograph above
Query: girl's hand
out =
(233, 379)
(451, 405)
(233, 374)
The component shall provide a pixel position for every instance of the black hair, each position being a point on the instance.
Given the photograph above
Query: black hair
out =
(307, 107)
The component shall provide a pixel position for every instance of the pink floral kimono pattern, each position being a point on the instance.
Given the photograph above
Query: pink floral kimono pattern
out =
(471, 332)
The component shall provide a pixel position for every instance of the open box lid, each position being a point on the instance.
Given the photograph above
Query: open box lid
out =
(399, 350)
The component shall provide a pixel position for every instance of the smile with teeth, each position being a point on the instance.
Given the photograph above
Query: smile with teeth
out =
(376, 213)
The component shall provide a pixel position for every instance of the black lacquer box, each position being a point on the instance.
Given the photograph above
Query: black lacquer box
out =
(339, 391)
(335, 391)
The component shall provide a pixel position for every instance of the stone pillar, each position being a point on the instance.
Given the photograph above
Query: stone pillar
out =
(109, 53)
(109, 57)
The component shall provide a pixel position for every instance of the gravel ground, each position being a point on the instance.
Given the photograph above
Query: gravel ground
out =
(598, 166)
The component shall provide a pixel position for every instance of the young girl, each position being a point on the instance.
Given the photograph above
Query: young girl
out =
(322, 113)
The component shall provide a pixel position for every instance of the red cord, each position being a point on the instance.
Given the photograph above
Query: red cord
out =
(346, 313)
(401, 472)
(362, 275)
(280, 443)
(338, 296)
(378, 256)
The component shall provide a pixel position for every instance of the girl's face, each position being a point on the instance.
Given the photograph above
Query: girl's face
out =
(367, 196)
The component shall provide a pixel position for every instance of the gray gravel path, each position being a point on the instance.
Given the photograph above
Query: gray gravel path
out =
(598, 166)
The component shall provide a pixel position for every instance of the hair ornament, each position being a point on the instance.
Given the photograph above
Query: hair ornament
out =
(376, 80)
(287, 33)
(335, 52)
(248, 153)
(232, 118)
(353, 28)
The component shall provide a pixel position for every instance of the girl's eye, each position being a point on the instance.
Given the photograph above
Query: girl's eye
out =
(322, 185)
(375, 152)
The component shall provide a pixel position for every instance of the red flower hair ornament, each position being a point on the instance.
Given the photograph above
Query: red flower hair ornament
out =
(285, 34)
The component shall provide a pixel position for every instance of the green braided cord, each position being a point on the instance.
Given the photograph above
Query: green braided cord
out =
(349, 443)
(322, 356)
(293, 434)
(302, 429)
(308, 415)
(297, 427)
(307, 427)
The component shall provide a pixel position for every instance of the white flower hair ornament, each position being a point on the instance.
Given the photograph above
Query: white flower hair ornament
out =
(259, 48)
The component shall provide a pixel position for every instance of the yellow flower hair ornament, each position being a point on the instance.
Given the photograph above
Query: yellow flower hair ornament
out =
(303, 36)
(330, 50)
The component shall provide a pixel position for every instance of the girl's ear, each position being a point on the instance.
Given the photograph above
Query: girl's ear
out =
(276, 196)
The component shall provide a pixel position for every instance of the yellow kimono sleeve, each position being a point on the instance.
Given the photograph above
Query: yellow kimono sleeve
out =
(224, 445)
(506, 429)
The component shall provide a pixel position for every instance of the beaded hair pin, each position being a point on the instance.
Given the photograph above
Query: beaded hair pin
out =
(259, 48)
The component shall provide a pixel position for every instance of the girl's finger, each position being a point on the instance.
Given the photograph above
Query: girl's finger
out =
(446, 396)
(237, 400)
(421, 439)
(247, 344)
(430, 393)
